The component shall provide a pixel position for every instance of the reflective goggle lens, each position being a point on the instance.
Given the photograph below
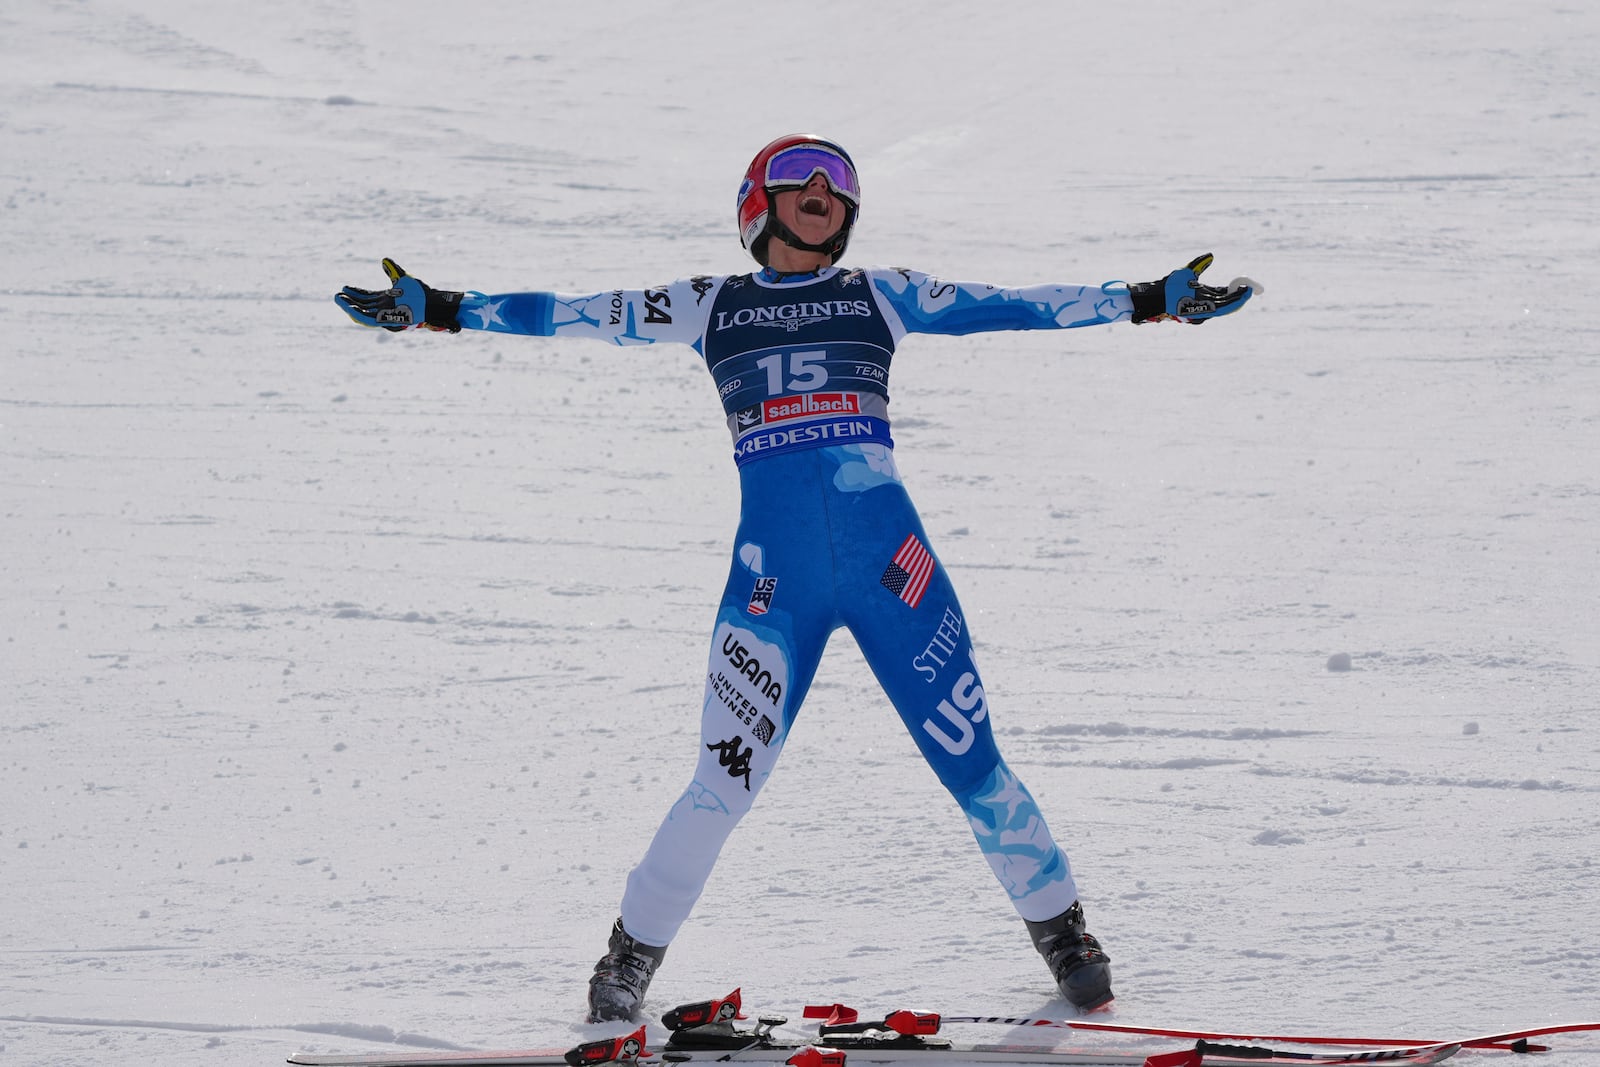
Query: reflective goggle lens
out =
(795, 166)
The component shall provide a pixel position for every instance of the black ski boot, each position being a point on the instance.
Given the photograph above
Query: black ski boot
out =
(1075, 958)
(620, 978)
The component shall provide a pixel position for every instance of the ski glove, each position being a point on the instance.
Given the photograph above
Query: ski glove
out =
(1181, 297)
(408, 304)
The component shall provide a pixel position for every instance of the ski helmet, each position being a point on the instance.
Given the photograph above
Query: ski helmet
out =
(789, 163)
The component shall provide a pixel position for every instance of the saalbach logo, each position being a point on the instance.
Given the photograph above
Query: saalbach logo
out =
(908, 573)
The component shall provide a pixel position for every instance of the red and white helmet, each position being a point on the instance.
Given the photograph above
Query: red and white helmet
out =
(789, 163)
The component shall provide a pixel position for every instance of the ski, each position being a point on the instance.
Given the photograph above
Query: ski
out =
(1510, 1040)
(803, 1055)
(706, 1032)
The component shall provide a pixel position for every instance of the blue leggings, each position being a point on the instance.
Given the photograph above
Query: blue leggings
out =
(827, 538)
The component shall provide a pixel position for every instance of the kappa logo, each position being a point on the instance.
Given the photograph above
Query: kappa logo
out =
(734, 756)
(748, 418)
(701, 284)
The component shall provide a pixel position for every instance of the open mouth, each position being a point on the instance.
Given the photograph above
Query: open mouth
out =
(813, 205)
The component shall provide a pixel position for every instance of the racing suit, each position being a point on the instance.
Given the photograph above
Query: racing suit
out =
(827, 537)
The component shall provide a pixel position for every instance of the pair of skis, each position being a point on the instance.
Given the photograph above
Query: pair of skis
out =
(707, 1031)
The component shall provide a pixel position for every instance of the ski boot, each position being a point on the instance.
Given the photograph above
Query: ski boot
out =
(620, 978)
(1080, 967)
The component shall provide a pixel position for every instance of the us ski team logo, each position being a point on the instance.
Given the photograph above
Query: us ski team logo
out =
(761, 596)
(908, 574)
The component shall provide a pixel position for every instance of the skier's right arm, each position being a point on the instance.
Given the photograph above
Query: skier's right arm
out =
(675, 312)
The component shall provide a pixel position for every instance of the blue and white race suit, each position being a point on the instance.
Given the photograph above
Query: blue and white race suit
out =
(827, 538)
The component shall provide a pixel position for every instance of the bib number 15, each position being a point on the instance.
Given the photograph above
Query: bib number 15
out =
(806, 372)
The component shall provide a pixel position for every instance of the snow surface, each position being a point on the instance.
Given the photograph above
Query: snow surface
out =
(345, 674)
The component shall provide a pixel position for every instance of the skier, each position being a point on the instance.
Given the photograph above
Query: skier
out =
(799, 352)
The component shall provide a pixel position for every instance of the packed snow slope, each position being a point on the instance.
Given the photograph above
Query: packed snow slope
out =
(344, 675)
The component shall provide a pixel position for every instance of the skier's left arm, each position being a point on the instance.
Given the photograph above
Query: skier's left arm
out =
(1182, 297)
(924, 304)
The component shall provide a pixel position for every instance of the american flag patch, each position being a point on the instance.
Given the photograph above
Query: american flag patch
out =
(908, 573)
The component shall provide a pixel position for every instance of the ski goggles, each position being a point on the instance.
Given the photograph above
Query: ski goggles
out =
(793, 167)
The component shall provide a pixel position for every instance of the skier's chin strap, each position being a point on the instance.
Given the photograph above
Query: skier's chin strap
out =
(833, 246)
(793, 240)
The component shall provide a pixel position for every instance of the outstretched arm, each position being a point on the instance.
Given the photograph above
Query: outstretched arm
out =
(925, 304)
(675, 312)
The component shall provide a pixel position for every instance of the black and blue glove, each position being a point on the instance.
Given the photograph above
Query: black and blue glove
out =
(1181, 297)
(407, 304)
